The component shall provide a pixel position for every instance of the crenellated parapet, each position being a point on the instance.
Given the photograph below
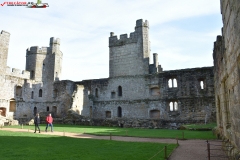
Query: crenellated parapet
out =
(53, 46)
(114, 41)
(37, 50)
(4, 38)
(54, 41)
(17, 73)
(133, 38)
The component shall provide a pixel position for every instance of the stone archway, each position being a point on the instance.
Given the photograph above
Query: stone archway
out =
(35, 111)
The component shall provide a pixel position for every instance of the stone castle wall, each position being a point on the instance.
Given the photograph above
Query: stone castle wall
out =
(226, 70)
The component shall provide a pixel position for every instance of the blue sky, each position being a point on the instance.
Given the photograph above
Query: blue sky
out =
(181, 32)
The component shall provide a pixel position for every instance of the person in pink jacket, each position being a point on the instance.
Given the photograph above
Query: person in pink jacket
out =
(49, 121)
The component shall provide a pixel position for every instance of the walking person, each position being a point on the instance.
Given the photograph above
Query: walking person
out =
(37, 122)
(49, 121)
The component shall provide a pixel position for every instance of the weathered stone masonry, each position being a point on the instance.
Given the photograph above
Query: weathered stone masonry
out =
(136, 94)
(139, 90)
(227, 74)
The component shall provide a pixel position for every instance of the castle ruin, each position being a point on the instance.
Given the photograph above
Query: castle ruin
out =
(136, 94)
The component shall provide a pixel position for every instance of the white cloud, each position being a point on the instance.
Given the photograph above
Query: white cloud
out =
(84, 27)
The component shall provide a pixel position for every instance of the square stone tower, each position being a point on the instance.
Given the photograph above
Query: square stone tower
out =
(44, 64)
(130, 56)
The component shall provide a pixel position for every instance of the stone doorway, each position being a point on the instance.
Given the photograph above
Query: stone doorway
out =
(12, 105)
(35, 111)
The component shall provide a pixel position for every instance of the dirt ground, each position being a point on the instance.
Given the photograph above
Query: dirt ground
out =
(187, 149)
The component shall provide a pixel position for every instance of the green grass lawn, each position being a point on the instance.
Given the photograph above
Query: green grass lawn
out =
(151, 133)
(197, 126)
(28, 146)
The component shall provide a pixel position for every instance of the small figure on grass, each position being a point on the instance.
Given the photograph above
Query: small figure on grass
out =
(49, 121)
(37, 122)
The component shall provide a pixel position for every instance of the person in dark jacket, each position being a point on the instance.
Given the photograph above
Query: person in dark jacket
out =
(37, 122)
(49, 121)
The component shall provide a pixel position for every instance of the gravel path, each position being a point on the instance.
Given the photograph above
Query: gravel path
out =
(187, 149)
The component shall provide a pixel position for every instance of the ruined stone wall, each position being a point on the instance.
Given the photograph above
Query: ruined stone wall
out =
(25, 93)
(78, 96)
(130, 55)
(226, 70)
(150, 96)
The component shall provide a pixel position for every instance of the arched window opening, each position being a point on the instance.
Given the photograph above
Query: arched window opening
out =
(174, 82)
(32, 75)
(32, 95)
(47, 109)
(96, 92)
(90, 112)
(119, 111)
(108, 114)
(35, 111)
(155, 114)
(119, 91)
(171, 106)
(89, 92)
(43, 67)
(40, 93)
(170, 83)
(202, 84)
(175, 106)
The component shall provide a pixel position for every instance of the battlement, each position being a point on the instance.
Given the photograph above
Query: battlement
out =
(5, 33)
(37, 50)
(4, 38)
(140, 23)
(44, 49)
(17, 73)
(54, 40)
(134, 36)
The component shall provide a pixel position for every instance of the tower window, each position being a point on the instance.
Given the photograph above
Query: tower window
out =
(173, 106)
(32, 95)
(40, 93)
(172, 83)
(96, 92)
(201, 84)
(32, 75)
(119, 111)
(119, 91)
